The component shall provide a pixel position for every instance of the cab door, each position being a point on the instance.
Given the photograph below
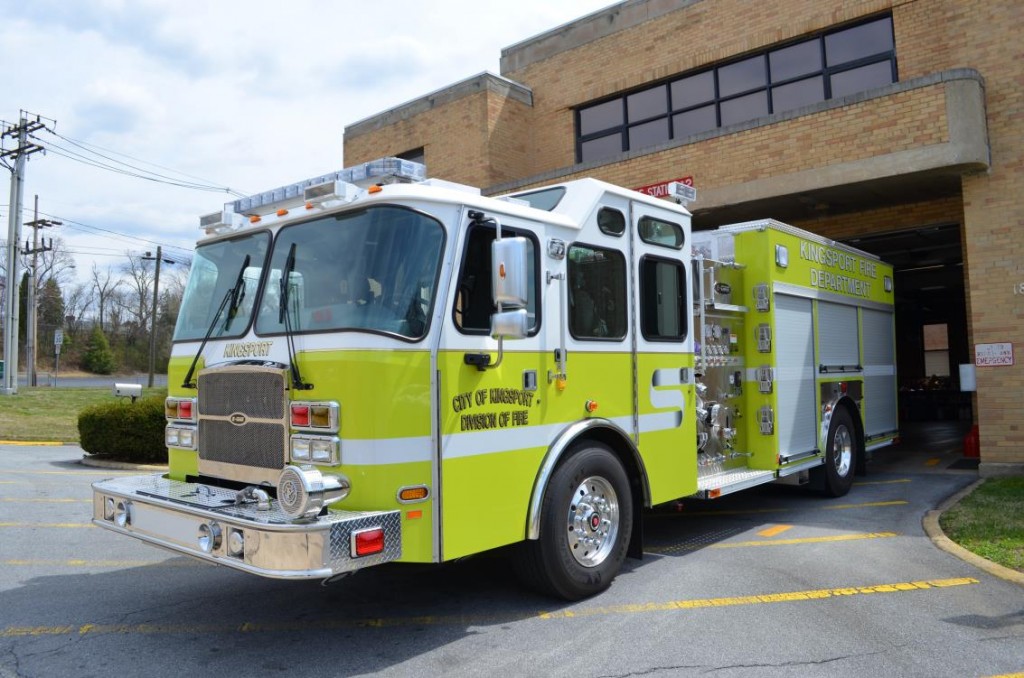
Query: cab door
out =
(660, 325)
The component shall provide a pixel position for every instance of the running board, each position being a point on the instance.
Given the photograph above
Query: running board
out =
(727, 482)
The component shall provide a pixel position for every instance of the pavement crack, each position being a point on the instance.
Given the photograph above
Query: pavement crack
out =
(10, 664)
(810, 662)
(652, 670)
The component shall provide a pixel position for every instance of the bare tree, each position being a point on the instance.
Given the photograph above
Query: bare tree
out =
(77, 300)
(105, 285)
(138, 298)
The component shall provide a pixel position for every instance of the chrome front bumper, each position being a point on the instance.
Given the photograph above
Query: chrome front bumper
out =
(204, 521)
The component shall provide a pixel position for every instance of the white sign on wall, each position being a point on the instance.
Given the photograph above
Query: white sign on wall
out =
(990, 355)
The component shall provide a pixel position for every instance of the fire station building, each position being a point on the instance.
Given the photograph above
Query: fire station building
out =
(894, 126)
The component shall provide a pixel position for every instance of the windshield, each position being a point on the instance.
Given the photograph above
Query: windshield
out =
(215, 271)
(373, 270)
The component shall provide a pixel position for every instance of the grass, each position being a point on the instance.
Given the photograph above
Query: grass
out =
(990, 522)
(46, 414)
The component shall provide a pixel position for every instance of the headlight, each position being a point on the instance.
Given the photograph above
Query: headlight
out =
(180, 436)
(303, 491)
(324, 450)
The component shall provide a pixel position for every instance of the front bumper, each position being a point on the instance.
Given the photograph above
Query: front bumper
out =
(204, 521)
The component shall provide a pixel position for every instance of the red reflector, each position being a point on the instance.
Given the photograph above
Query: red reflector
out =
(367, 542)
(413, 515)
(300, 415)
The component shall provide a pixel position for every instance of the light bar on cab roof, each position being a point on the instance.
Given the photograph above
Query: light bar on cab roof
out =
(342, 185)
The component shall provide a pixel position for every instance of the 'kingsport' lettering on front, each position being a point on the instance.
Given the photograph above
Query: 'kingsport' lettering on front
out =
(248, 349)
(840, 261)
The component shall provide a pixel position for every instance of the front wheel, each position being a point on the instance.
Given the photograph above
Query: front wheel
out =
(586, 523)
(841, 453)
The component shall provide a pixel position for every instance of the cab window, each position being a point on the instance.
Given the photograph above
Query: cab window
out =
(474, 300)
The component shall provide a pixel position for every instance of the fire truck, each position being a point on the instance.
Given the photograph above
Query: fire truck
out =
(371, 366)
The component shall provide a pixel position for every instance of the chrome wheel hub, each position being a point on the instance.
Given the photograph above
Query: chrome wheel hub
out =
(593, 521)
(842, 451)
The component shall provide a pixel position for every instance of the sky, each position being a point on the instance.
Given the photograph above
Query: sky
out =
(246, 95)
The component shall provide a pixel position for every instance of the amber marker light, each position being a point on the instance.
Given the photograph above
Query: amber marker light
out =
(590, 406)
(254, 219)
(282, 212)
(415, 493)
(374, 189)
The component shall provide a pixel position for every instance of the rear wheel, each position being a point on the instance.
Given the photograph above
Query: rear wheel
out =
(586, 522)
(841, 453)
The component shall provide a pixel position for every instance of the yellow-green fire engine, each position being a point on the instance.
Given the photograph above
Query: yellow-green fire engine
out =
(373, 366)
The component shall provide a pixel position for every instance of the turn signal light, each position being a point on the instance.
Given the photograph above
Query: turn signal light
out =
(590, 406)
(417, 493)
(320, 416)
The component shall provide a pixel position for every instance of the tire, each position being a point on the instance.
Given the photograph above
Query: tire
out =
(841, 453)
(585, 527)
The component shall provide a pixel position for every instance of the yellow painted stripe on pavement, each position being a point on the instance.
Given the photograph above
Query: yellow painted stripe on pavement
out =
(43, 500)
(27, 443)
(98, 563)
(859, 536)
(805, 540)
(46, 525)
(934, 461)
(839, 507)
(774, 531)
(108, 474)
(333, 623)
(783, 509)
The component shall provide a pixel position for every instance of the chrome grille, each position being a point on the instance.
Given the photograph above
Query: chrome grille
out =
(256, 393)
(253, 444)
(243, 431)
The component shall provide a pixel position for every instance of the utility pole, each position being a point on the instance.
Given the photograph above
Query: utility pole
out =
(152, 315)
(21, 131)
(31, 337)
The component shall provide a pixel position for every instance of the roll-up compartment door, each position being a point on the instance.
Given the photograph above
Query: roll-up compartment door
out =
(796, 418)
(837, 335)
(880, 411)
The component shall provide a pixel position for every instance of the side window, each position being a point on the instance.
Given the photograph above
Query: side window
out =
(474, 301)
(597, 293)
(611, 221)
(662, 233)
(662, 300)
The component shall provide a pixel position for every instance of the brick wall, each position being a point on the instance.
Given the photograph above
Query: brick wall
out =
(485, 140)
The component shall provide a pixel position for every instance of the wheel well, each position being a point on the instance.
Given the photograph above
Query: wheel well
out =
(622, 447)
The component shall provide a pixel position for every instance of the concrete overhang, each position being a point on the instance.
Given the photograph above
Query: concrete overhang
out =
(910, 175)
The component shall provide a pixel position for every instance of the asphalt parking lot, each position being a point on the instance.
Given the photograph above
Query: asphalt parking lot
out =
(774, 582)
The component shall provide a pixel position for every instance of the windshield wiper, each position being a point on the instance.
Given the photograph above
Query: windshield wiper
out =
(233, 295)
(237, 295)
(284, 317)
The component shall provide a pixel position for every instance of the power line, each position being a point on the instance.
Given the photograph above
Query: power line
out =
(89, 146)
(127, 169)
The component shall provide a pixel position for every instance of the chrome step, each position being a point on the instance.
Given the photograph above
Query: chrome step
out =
(733, 480)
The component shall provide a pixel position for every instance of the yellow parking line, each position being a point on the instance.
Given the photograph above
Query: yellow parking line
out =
(859, 536)
(108, 474)
(745, 512)
(334, 623)
(42, 500)
(774, 531)
(46, 525)
(934, 461)
(96, 563)
(839, 507)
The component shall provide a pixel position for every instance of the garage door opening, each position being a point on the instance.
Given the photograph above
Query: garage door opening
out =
(931, 322)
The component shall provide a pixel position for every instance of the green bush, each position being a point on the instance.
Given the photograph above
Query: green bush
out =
(98, 358)
(132, 432)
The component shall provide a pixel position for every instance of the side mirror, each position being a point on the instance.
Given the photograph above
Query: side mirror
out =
(510, 324)
(509, 271)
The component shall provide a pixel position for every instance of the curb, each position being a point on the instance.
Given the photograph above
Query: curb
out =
(118, 465)
(939, 538)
